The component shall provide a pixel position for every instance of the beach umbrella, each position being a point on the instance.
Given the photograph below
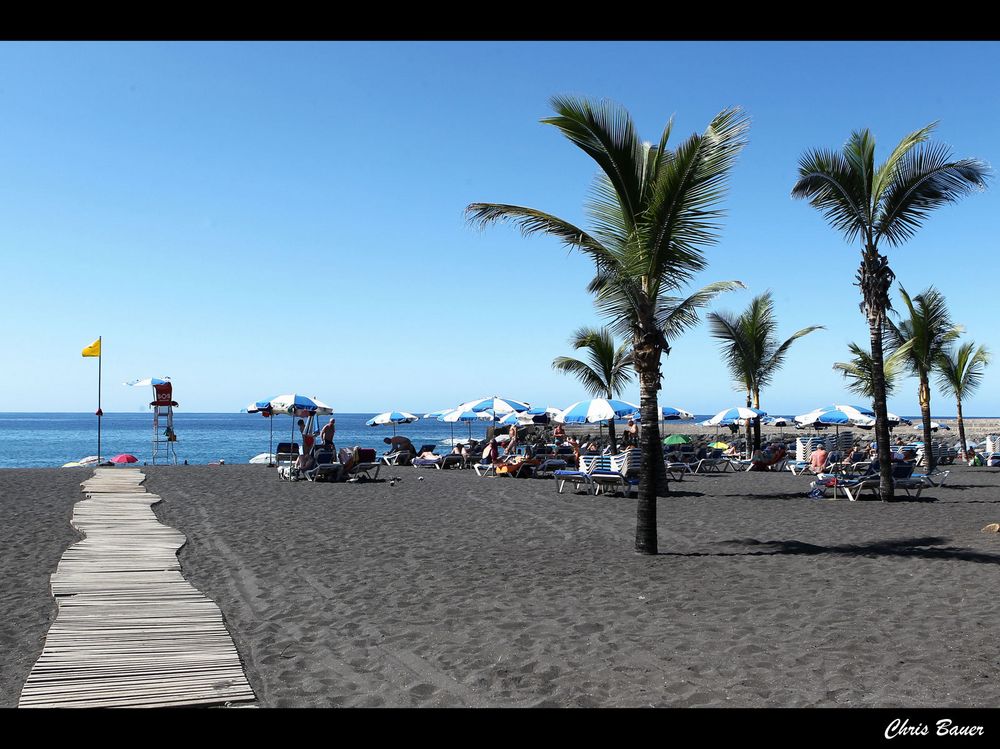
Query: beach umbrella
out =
(595, 410)
(667, 413)
(294, 404)
(466, 415)
(264, 409)
(733, 415)
(934, 426)
(496, 405)
(392, 417)
(717, 445)
(677, 439)
(499, 406)
(124, 458)
(435, 414)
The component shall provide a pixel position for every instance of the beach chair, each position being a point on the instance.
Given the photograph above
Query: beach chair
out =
(582, 477)
(902, 478)
(327, 468)
(366, 465)
(434, 462)
(398, 458)
(624, 472)
(286, 453)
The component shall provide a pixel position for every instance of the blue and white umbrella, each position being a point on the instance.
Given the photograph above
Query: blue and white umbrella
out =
(435, 414)
(733, 415)
(836, 415)
(466, 415)
(594, 410)
(667, 413)
(499, 406)
(294, 404)
(392, 417)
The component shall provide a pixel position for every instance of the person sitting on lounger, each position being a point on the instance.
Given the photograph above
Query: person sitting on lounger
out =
(491, 453)
(558, 434)
(817, 461)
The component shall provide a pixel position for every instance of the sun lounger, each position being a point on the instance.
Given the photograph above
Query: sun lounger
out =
(286, 453)
(582, 477)
(398, 458)
(366, 466)
(328, 468)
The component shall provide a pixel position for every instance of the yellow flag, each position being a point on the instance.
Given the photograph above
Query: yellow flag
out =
(93, 349)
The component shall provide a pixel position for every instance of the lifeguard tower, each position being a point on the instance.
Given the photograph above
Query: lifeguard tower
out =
(163, 405)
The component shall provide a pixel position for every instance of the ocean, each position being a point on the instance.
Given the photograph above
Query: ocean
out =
(30, 440)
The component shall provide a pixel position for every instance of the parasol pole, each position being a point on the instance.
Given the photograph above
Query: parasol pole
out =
(270, 444)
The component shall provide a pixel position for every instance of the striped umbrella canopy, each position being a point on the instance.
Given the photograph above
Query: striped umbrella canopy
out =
(392, 417)
(435, 414)
(732, 415)
(594, 410)
(264, 409)
(894, 421)
(499, 406)
(667, 413)
(521, 419)
(294, 404)
(934, 426)
(467, 415)
(837, 414)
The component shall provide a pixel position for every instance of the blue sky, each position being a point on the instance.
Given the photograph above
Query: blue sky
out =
(257, 218)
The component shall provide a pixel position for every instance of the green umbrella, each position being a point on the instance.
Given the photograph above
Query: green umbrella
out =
(677, 439)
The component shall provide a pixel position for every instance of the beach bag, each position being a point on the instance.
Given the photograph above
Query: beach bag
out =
(817, 493)
(976, 461)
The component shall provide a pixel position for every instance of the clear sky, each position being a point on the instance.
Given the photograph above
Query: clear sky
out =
(258, 218)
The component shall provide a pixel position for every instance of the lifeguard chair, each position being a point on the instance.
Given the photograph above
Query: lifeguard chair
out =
(163, 405)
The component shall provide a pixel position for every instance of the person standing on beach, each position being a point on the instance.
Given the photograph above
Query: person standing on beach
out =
(327, 432)
(308, 440)
(558, 434)
(631, 433)
(512, 442)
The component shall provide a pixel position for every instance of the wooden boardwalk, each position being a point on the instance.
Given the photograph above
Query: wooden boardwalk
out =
(130, 630)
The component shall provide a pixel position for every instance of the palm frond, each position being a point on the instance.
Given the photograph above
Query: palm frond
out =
(675, 316)
(960, 372)
(885, 174)
(605, 132)
(680, 219)
(831, 186)
(924, 180)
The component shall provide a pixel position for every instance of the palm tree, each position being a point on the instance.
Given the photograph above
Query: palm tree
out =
(889, 203)
(928, 331)
(654, 210)
(751, 350)
(859, 371)
(959, 374)
(609, 370)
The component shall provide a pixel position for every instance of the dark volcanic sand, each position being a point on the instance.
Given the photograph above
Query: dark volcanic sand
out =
(457, 591)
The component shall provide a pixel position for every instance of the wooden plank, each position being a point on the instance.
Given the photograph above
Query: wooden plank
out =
(130, 630)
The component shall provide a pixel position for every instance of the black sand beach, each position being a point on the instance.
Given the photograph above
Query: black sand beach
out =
(461, 591)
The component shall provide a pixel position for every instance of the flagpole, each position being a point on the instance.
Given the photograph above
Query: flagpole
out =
(100, 413)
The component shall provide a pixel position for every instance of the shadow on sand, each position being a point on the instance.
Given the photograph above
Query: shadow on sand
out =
(904, 547)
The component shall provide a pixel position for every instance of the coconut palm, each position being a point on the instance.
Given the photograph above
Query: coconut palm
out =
(859, 371)
(751, 350)
(887, 203)
(609, 369)
(959, 373)
(928, 331)
(654, 210)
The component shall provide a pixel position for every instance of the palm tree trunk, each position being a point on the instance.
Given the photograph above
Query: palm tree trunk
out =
(611, 435)
(756, 422)
(875, 278)
(749, 429)
(925, 416)
(961, 430)
(653, 480)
